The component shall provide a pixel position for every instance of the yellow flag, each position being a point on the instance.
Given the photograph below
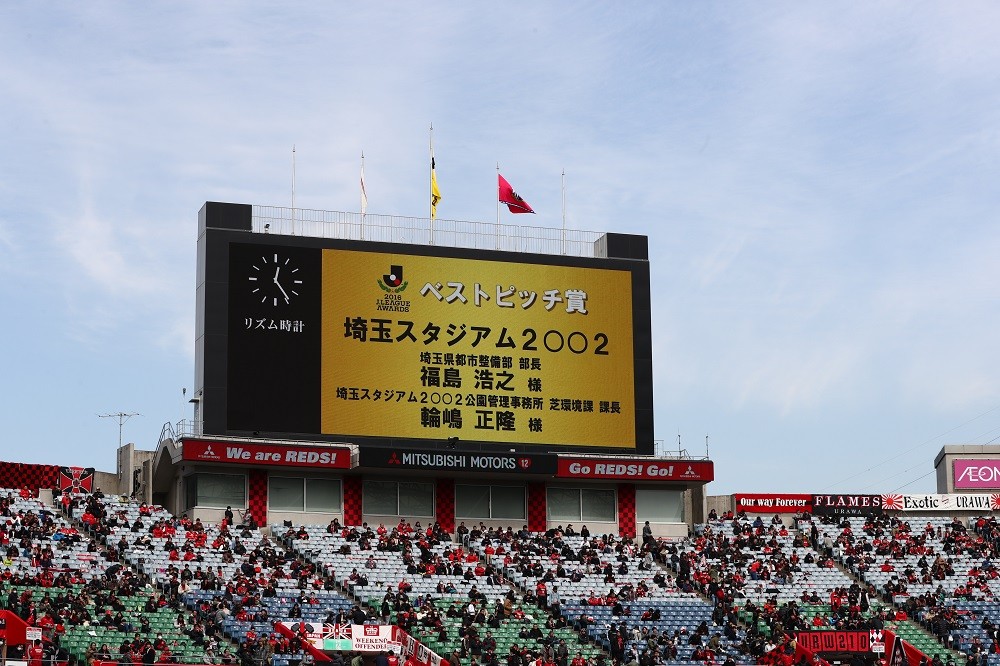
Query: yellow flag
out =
(435, 192)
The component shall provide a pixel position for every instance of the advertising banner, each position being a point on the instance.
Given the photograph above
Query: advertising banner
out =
(321, 636)
(869, 505)
(413, 648)
(877, 638)
(847, 505)
(652, 470)
(13, 629)
(903, 653)
(238, 453)
(835, 641)
(404, 459)
(373, 638)
(336, 637)
(954, 502)
(772, 503)
(977, 474)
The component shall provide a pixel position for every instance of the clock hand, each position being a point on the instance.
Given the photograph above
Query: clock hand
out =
(282, 290)
(276, 269)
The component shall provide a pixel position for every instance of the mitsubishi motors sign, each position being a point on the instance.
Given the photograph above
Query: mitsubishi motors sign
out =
(977, 474)
(458, 461)
(238, 453)
(630, 469)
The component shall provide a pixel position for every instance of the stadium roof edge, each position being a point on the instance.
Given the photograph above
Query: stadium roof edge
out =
(966, 450)
(343, 225)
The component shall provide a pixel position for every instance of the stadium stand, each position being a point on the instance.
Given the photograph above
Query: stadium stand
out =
(643, 615)
(915, 570)
(112, 579)
(439, 591)
(360, 557)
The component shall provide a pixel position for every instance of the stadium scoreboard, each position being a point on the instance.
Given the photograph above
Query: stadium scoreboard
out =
(403, 345)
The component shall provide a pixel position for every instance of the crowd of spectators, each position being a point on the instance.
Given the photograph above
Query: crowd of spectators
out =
(763, 581)
(577, 576)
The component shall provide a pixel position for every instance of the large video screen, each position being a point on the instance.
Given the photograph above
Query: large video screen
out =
(490, 351)
(405, 345)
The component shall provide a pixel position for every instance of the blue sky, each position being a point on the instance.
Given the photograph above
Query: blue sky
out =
(817, 180)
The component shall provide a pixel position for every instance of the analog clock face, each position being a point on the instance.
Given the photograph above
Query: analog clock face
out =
(274, 279)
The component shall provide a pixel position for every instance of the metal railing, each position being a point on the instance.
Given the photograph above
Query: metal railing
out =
(167, 433)
(667, 449)
(187, 427)
(170, 432)
(424, 231)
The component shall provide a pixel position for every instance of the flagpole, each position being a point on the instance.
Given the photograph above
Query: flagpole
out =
(364, 196)
(498, 207)
(563, 244)
(431, 180)
(293, 189)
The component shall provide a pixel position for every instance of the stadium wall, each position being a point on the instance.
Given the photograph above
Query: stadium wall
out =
(180, 468)
(720, 503)
(44, 481)
(629, 522)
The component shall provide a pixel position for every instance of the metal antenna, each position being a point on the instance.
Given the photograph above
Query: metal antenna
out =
(123, 418)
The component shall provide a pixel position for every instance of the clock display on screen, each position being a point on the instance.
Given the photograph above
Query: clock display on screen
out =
(274, 279)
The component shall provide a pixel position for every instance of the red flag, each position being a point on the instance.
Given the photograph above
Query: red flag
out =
(76, 480)
(512, 199)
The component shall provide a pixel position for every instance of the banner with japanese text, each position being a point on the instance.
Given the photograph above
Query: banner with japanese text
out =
(429, 347)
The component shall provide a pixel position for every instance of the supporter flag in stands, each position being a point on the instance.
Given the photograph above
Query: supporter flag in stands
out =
(512, 199)
(898, 655)
(76, 480)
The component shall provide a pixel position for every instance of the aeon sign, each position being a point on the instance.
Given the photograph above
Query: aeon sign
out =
(976, 473)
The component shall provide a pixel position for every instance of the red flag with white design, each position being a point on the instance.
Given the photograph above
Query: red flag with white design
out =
(510, 198)
(76, 480)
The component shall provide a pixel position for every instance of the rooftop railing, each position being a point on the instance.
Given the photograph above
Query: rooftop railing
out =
(424, 231)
